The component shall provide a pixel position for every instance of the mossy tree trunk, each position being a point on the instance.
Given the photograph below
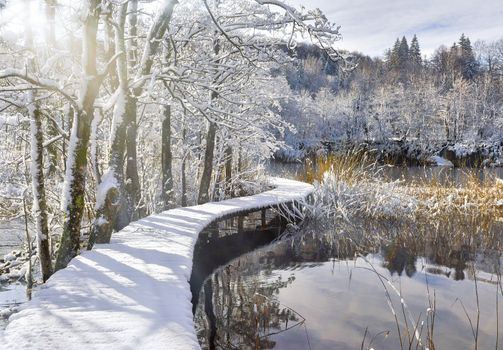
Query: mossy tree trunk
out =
(76, 169)
(111, 187)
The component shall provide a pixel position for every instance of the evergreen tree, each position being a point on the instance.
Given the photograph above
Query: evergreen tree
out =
(467, 61)
(394, 60)
(403, 53)
(453, 59)
(415, 52)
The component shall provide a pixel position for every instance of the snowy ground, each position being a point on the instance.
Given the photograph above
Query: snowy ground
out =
(132, 293)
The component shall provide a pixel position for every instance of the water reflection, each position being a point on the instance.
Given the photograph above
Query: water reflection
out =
(241, 314)
(458, 176)
(398, 259)
(323, 291)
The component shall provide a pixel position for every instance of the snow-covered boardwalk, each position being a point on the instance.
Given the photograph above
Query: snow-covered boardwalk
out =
(133, 293)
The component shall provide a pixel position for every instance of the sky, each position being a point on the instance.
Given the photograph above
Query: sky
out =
(372, 26)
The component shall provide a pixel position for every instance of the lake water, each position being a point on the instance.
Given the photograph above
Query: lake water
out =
(11, 295)
(407, 174)
(11, 236)
(419, 286)
(307, 295)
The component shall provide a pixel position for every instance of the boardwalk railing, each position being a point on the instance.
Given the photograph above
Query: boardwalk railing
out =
(134, 292)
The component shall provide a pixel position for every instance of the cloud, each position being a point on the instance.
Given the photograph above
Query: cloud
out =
(371, 26)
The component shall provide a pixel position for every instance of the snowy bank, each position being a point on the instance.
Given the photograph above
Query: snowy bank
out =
(439, 161)
(134, 292)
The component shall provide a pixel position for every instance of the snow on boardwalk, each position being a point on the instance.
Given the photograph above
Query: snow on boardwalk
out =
(134, 292)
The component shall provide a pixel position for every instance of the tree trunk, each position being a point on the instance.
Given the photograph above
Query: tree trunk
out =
(184, 183)
(133, 188)
(184, 160)
(125, 213)
(167, 159)
(228, 171)
(76, 169)
(67, 125)
(240, 162)
(38, 184)
(50, 14)
(204, 186)
(132, 204)
(37, 171)
(108, 198)
(75, 182)
(132, 44)
(110, 41)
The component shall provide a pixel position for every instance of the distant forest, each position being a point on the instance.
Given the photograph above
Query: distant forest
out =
(452, 98)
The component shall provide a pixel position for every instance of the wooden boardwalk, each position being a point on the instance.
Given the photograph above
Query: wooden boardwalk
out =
(134, 292)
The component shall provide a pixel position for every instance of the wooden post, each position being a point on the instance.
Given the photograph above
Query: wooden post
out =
(263, 218)
(240, 223)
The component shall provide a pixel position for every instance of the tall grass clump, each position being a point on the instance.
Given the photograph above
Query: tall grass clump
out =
(351, 166)
(349, 185)
(476, 200)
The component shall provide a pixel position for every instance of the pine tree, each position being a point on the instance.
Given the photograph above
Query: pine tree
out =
(467, 61)
(394, 61)
(415, 52)
(454, 59)
(403, 53)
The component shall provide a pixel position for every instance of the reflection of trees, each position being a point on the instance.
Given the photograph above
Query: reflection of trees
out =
(398, 258)
(401, 255)
(240, 309)
(242, 312)
(453, 246)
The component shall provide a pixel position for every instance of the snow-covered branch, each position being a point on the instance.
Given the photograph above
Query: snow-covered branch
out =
(45, 84)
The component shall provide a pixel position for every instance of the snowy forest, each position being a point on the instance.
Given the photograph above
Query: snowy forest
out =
(136, 130)
(452, 99)
(112, 111)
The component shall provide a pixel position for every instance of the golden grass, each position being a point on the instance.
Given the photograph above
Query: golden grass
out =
(472, 205)
(351, 166)
(475, 201)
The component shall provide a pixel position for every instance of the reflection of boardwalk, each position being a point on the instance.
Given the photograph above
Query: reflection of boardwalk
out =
(132, 293)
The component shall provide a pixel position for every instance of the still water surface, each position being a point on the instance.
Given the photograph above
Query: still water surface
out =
(309, 293)
(304, 295)
(404, 173)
